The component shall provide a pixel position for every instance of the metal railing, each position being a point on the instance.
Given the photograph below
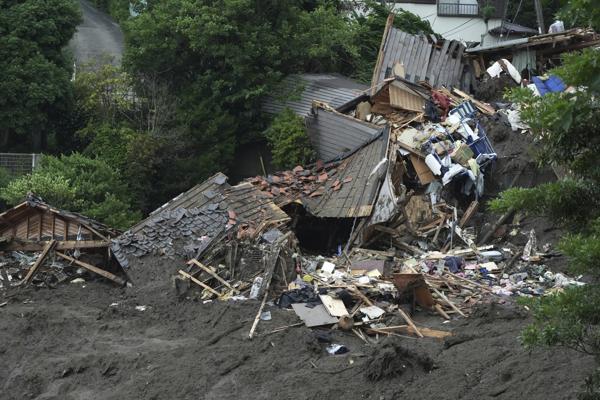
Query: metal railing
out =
(457, 9)
(19, 163)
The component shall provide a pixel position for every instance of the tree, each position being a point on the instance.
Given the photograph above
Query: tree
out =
(35, 88)
(288, 141)
(77, 183)
(566, 129)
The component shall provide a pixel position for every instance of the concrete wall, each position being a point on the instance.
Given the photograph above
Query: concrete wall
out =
(468, 29)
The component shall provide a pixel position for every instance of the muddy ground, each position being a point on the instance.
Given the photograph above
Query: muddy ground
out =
(88, 341)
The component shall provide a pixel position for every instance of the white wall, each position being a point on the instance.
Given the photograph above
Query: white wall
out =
(468, 29)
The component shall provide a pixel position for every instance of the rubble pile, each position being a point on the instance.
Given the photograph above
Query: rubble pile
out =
(380, 228)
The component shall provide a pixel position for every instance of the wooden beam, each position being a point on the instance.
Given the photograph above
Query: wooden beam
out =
(199, 283)
(410, 322)
(447, 300)
(17, 245)
(33, 270)
(94, 269)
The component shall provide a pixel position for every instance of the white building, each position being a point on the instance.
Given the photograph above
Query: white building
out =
(457, 19)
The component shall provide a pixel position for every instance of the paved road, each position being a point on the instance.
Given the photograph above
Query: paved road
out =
(98, 39)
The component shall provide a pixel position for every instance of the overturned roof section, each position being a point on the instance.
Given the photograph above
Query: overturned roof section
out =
(425, 58)
(36, 220)
(508, 28)
(298, 92)
(344, 189)
(334, 135)
(550, 43)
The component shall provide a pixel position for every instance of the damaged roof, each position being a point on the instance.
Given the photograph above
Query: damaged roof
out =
(333, 135)
(344, 189)
(12, 220)
(192, 221)
(425, 58)
(298, 92)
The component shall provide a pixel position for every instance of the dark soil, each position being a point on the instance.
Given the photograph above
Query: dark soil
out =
(71, 343)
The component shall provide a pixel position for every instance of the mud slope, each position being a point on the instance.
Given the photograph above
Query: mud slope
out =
(70, 343)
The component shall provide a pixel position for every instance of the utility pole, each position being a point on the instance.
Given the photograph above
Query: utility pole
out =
(540, 16)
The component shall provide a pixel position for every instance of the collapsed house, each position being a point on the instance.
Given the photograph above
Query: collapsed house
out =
(379, 227)
(43, 244)
(231, 233)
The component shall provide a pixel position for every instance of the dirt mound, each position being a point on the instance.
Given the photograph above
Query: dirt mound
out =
(492, 89)
(393, 360)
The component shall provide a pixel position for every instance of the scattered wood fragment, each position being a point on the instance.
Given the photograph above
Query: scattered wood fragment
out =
(441, 311)
(257, 318)
(469, 213)
(282, 328)
(410, 322)
(447, 300)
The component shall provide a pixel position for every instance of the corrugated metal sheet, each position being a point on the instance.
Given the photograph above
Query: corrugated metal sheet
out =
(405, 97)
(298, 92)
(440, 65)
(356, 197)
(333, 134)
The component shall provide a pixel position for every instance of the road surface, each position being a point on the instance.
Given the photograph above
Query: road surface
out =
(98, 39)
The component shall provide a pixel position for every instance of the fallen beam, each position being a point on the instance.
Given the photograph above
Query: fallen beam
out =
(38, 263)
(117, 279)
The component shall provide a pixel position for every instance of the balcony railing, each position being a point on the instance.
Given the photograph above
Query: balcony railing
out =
(457, 10)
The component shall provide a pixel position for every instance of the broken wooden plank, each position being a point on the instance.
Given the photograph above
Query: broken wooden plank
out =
(211, 273)
(199, 283)
(410, 322)
(38, 263)
(441, 311)
(258, 314)
(94, 269)
(469, 213)
(447, 300)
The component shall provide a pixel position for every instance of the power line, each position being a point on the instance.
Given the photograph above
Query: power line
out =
(456, 27)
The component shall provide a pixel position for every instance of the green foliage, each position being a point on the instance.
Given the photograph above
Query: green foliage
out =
(77, 183)
(34, 88)
(5, 177)
(569, 318)
(288, 140)
(560, 200)
(118, 9)
(523, 13)
(565, 126)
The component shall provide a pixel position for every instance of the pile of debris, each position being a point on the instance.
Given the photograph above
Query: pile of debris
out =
(380, 227)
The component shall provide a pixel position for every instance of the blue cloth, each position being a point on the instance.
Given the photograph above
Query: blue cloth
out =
(551, 85)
